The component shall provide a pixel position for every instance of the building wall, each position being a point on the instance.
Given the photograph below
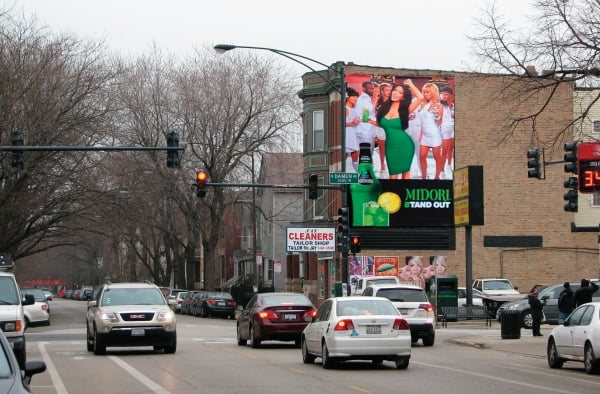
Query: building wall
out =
(515, 205)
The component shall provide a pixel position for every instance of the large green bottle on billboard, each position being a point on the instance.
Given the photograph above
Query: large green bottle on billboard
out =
(364, 194)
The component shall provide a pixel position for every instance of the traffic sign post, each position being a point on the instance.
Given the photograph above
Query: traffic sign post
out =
(343, 177)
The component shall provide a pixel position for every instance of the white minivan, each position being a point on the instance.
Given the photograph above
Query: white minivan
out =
(365, 281)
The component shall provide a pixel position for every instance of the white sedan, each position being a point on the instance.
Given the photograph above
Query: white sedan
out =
(357, 328)
(577, 339)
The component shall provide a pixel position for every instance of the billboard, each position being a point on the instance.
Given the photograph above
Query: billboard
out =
(405, 172)
(310, 239)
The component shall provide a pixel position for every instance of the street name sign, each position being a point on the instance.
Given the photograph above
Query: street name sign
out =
(343, 177)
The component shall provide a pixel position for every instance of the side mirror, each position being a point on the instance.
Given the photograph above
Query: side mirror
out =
(92, 303)
(28, 299)
(546, 297)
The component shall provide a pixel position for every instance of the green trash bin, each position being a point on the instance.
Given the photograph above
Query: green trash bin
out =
(510, 324)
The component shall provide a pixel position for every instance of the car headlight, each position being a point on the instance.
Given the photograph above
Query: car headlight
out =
(109, 317)
(165, 316)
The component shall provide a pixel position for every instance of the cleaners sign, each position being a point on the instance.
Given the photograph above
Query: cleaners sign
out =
(310, 239)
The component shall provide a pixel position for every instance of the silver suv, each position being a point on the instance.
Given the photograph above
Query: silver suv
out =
(130, 314)
(413, 304)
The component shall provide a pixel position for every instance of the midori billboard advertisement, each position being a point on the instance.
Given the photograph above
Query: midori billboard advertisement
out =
(400, 142)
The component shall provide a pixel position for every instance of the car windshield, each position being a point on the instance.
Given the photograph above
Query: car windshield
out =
(293, 299)
(365, 307)
(38, 294)
(132, 296)
(403, 295)
(497, 285)
(8, 292)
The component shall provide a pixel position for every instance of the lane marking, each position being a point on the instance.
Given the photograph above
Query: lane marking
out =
(54, 376)
(356, 388)
(492, 377)
(152, 385)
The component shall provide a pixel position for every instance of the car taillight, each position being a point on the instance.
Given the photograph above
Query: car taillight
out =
(211, 302)
(231, 303)
(427, 307)
(267, 315)
(344, 325)
(401, 324)
(312, 313)
(180, 302)
(44, 307)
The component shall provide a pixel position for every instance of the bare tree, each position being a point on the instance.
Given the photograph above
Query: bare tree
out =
(562, 41)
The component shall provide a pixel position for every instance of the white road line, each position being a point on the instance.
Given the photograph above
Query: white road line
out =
(492, 377)
(56, 380)
(139, 376)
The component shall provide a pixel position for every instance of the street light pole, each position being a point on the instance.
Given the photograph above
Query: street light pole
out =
(341, 89)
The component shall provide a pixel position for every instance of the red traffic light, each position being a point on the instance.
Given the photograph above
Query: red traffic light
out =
(355, 244)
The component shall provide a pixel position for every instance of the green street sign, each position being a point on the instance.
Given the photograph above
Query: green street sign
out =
(343, 177)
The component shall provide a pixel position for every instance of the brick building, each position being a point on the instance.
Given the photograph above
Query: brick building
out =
(527, 236)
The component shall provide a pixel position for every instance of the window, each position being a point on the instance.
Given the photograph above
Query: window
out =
(596, 200)
(596, 126)
(319, 204)
(319, 130)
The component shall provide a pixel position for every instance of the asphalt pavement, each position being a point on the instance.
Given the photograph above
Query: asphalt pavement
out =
(475, 334)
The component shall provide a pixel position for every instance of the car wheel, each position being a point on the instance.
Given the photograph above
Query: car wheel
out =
(592, 365)
(402, 363)
(254, 341)
(307, 358)
(172, 348)
(429, 340)
(232, 316)
(554, 361)
(203, 312)
(297, 342)
(326, 361)
(527, 320)
(99, 345)
(240, 341)
(89, 340)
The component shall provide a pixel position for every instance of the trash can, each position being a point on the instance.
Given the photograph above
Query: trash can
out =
(510, 324)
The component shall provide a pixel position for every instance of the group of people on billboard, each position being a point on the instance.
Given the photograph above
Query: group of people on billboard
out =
(409, 123)
(413, 271)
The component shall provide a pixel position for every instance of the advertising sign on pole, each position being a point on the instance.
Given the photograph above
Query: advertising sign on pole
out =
(310, 239)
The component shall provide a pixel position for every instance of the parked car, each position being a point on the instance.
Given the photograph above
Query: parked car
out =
(414, 306)
(48, 294)
(462, 297)
(188, 302)
(357, 328)
(197, 301)
(130, 314)
(549, 297)
(216, 304)
(179, 301)
(87, 294)
(172, 296)
(578, 339)
(495, 287)
(37, 313)
(273, 316)
(11, 379)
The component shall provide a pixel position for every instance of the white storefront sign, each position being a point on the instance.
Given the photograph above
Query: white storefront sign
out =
(310, 239)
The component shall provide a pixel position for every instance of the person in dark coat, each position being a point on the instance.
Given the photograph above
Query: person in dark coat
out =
(566, 302)
(536, 312)
(583, 295)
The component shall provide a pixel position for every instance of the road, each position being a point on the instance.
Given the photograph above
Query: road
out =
(467, 358)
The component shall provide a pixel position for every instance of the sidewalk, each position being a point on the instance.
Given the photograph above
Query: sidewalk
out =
(475, 334)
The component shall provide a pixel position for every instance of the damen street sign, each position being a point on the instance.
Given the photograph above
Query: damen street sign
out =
(343, 177)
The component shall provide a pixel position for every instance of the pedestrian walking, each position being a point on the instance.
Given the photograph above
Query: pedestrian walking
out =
(583, 295)
(536, 312)
(566, 302)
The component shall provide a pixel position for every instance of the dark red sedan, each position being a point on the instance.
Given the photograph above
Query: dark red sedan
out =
(273, 316)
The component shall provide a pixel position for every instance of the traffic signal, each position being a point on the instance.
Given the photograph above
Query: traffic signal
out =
(313, 186)
(571, 157)
(201, 178)
(172, 154)
(343, 228)
(535, 162)
(18, 160)
(355, 244)
(571, 195)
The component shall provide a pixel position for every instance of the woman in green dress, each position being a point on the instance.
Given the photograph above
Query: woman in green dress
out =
(392, 116)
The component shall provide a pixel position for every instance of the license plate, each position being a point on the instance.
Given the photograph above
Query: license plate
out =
(289, 316)
(220, 303)
(138, 332)
(373, 329)
(404, 311)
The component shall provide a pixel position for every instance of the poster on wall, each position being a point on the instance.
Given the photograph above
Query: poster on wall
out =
(405, 173)
(359, 266)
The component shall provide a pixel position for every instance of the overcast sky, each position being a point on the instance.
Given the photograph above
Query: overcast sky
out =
(428, 34)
